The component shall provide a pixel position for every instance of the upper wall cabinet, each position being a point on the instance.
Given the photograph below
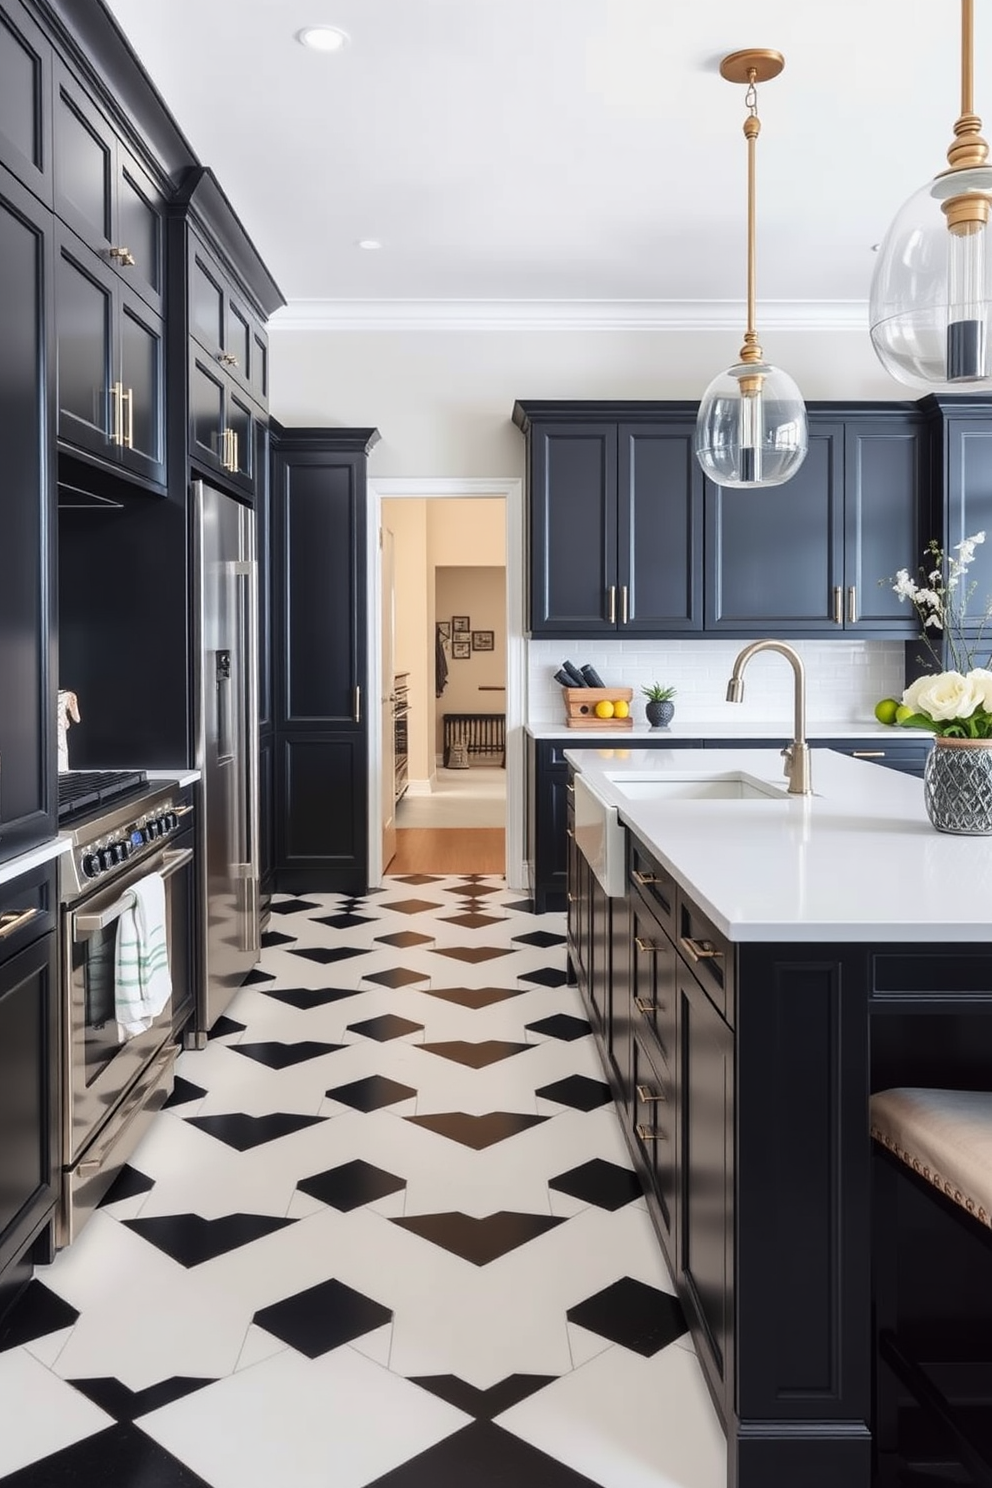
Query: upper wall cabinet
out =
(25, 100)
(615, 512)
(626, 538)
(224, 326)
(961, 493)
(104, 195)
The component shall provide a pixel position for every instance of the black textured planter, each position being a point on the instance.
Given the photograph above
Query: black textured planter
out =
(659, 715)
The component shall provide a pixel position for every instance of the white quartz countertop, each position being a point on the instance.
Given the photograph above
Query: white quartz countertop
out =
(182, 776)
(689, 729)
(34, 858)
(856, 861)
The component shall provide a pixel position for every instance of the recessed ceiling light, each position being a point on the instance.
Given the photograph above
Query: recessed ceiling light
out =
(370, 244)
(322, 38)
(875, 247)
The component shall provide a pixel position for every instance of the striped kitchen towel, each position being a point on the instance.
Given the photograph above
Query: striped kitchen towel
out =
(142, 982)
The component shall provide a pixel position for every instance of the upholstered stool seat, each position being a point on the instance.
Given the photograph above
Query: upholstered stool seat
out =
(946, 1137)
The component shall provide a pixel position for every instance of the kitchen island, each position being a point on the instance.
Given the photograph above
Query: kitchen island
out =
(756, 965)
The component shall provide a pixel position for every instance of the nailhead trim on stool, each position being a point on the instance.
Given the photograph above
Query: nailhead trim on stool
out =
(943, 1135)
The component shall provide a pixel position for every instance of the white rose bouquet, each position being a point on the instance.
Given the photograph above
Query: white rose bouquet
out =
(955, 704)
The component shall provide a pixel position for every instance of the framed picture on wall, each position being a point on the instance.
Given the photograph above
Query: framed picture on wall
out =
(482, 640)
(460, 623)
(461, 650)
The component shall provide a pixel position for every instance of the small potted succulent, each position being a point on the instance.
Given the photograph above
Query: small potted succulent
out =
(659, 709)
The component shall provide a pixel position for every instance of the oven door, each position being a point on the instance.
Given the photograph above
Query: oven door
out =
(100, 1065)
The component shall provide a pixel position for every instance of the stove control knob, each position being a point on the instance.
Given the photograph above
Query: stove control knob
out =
(120, 851)
(90, 865)
(106, 856)
(170, 821)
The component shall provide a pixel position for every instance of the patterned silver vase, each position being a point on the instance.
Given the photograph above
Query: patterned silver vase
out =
(957, 786)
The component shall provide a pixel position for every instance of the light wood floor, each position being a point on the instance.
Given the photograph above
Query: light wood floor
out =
(449, 850)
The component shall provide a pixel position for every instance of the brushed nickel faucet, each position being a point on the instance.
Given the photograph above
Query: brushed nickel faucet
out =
(796, 754)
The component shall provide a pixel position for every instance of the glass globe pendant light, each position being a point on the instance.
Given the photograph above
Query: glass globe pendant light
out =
(751, 429)
(930, 309)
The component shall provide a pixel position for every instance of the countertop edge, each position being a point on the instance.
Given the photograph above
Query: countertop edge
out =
(33, 858)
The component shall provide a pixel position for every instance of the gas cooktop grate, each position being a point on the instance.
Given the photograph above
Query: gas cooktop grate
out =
(81, 791)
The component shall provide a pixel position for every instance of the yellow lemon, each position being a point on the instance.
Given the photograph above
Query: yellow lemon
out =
(886, 710)
(604, 709)
(621, 709)
(902, 713)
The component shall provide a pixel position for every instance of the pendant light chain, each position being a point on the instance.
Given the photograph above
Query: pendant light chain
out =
(751, 351)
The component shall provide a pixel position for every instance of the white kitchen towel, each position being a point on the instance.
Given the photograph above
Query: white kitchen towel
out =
(142, 981)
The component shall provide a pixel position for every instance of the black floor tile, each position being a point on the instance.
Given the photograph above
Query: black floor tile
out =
(475, 888)
(190, 1239)
(479, 1240)
(418, 878)
(121, 1456)
(472, 954)
(633, 1314)
(410, 906)
(521, 906)
(280, 1056)
(129, 1182)
(473, 997)
(483, 1404)
(322, 1318)
(403, 939)
(127, 1405)
(561, 1026)
(471, 920)
(344, 921)
(36, 1313)
(351, 1185)
(224, 1027)
(242, 1132)
(273, 938)
(293, 906)
(598, 1182)
(477, 1132)
(371, 1094)
(484, 1456)
(255, 976)
(546, 976)
(540, 938)
(577, 1091)
(184, 1091)
(476, 1056)
(400, 977)
(386, 1027)
(325, 955)
(306, 998)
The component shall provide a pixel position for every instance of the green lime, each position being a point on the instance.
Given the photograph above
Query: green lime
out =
(887, 711)
(902, 713)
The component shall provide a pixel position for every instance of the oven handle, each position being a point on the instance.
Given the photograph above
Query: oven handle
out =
(86, 924)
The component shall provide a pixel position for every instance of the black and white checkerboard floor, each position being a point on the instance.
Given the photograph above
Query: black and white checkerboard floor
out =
(385, 1232)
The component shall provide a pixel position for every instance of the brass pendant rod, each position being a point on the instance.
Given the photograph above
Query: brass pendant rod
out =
(967, 56)
(751, 135)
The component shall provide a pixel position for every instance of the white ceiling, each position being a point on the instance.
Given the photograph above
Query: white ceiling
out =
(562, 150)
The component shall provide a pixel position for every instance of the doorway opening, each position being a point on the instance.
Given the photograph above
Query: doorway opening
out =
(447, 756)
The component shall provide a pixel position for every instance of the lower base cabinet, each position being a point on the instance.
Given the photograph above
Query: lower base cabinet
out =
(321, 824)
(28, 1078)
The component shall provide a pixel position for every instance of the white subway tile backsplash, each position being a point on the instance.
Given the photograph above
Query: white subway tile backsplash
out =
(844, 679)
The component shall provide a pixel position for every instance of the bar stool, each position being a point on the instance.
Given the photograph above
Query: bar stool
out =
(941, 1141)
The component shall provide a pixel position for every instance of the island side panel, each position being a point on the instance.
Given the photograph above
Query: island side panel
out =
(803, 1219)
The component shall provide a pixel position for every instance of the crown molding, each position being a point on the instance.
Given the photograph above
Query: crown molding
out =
(566, 315)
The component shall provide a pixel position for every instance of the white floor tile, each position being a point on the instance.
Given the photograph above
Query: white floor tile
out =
(41, 1413)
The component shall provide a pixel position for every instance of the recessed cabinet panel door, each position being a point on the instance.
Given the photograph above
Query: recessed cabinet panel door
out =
(140, 229)
(661, 530)
(321, 551)
(324, 818)
(774, 556)
(206, 413)
(238, 343)
(27, 1055)
(84, 317)
(573, 509)
(241, 424)
(883, 489)
(206, 305)
(969, 507)
(26, 746)
(142, 378)
(260, 368)
(84, 158)
(25, 72)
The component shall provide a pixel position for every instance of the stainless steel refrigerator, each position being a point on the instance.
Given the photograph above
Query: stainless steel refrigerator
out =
(225, 608)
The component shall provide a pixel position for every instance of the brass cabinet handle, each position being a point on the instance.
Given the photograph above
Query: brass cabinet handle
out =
(852, 604)
(228, 358)
(357, 709)
(124, 257)
(699, 950)
(645, 1095)
(647, 946)
(624, 615)
(868, 754)
(127, 436)
(11, 922)
(234, 449)
(569, 833)
(647, 1135)
(571, 898)
(648, 1007)
(570, 787)
(612, 617)
(838, 605)
(117, 414)
(645, 878)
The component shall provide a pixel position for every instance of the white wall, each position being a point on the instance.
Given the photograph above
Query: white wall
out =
(414, 625)
(479, 593)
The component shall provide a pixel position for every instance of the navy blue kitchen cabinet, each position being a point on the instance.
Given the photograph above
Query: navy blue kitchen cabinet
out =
(815, 557)
(626, 538)
(25, 100)
(615, 507)
(961, 491)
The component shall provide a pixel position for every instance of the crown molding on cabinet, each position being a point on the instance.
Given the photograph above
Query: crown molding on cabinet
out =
(564, 315)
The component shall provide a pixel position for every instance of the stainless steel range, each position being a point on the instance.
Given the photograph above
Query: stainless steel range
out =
(123, 827)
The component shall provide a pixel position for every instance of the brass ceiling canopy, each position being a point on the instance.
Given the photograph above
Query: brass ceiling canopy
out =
(752, 65)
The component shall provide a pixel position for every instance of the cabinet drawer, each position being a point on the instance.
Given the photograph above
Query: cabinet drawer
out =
(652, 1118)
(710, 955)
(27, 909)
(656, 886)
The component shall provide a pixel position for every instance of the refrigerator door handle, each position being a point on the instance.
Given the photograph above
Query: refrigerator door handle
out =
(250, 801)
